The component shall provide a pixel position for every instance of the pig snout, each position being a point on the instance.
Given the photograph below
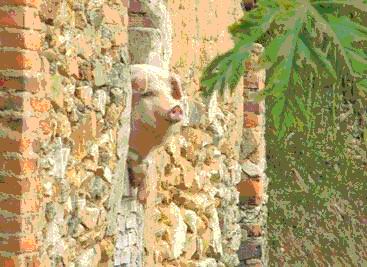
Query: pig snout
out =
(175, 114)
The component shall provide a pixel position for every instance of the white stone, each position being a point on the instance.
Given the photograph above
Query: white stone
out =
(131, 221)
(47, 189)
(179, 232)
(209, 262)
(125, 256)
(89, 257)
(191, 219)
(99, 101)
(217, 236)
(122, 241)
(60, 156)
(251, 169)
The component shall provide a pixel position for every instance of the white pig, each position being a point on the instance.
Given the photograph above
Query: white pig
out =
(156, 106)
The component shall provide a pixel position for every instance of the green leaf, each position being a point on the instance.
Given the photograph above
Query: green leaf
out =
(309, 46)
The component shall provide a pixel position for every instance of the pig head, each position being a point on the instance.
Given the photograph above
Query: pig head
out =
(156, 106)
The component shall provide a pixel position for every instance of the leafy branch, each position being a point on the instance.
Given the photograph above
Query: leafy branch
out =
(325, 40)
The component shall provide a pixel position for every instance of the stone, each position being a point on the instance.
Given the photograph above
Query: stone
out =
(251, 169)
(131, 222)
(199, 202)
(249, 250)
(89, 257)
(191, 219)
(216, 239)
(198, 138)
(190, 246)
(99, 73)
(209, 262)
(63, 128)
(99, 101)
(60, 156)
(89, 217)
(178, 231)
(84, 131)
(85, 93)
(147, 46)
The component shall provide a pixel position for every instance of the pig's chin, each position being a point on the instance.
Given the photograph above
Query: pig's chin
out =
(174, 118)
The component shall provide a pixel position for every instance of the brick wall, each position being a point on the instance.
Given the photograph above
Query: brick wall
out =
(23, 126)
(64, 115)
(64, 125)
(253, 185)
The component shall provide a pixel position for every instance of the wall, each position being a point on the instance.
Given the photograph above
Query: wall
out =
(65, 159)
(83, 164)
(23, 128)
(254, 182)
(65, 121)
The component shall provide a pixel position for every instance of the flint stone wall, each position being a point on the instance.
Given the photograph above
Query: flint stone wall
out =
(207, 183)
(83, 163)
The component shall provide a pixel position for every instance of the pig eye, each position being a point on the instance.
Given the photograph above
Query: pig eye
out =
(147, 94)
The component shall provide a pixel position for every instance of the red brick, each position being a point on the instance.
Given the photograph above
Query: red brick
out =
(254, 81)
(10, 101)
(137, 20)
(11, 261)
(19, 166)
(29, 203)
(34, 3)
(253, 107)
(18, 224)
(135, 6)
(255, 201)
(254, 230)
(11, 144)
(22, 83)
(251, 188)
(251, 120)
(21, 125)
(18, 244)
(27, 60)
(14, 186)
(20, 39)
(25, 18)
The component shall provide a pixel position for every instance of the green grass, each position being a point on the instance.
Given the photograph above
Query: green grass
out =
(318, 189)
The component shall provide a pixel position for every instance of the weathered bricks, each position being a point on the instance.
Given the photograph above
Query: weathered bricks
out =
(20, 83)
(22, 105)
(253, 184)
(24, 17)
(20, 39)
(32, 3)
(20, 60)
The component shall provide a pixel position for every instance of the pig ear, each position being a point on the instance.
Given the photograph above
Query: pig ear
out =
(176, 87)
(139, 82)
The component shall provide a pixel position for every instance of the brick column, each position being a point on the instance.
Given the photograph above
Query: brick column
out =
(253, 183)
(23, 126)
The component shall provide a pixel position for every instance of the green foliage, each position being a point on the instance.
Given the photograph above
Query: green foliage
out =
(309, 46)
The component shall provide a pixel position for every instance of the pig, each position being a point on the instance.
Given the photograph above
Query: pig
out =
(156, 106)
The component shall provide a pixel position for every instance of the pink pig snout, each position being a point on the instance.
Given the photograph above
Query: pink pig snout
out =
(175, 114)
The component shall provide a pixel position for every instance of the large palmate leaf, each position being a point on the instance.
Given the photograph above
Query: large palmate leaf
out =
(325, 40)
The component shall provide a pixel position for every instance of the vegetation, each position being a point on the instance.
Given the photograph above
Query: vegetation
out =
(316, 60)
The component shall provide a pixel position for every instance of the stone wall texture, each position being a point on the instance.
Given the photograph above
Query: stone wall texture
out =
(65, 103)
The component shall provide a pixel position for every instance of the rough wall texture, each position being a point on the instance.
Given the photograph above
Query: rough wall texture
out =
(253, 185)
(65, 196)
(23, 128)
(85, 43)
